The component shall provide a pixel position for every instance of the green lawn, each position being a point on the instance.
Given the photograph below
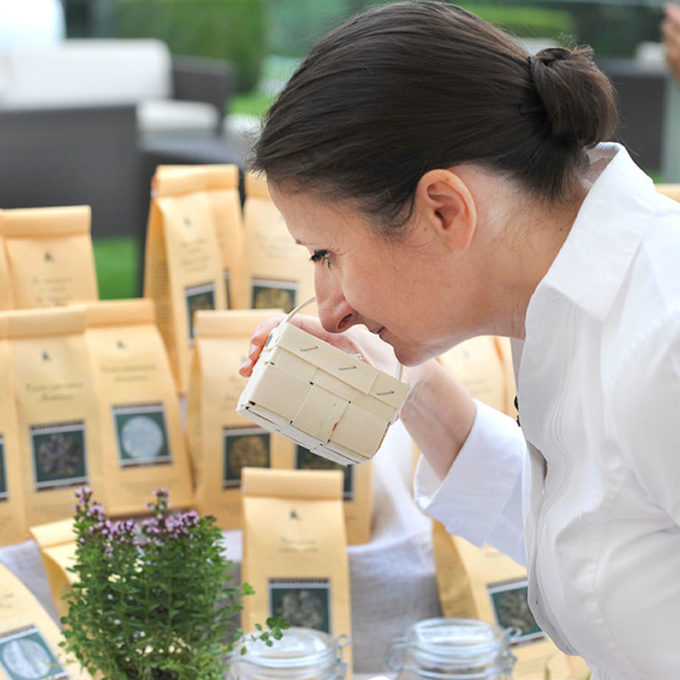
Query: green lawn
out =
(253, 103)
(117, 262)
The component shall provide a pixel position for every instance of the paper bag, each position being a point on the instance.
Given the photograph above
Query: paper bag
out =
(56, 409)
(294, 550)
(221, 184)
(222, 442)
(50, 255)
(29, 638)
(281, 275)
(6, 301)
(183, 266)
(13, 527)
(143, 446)
(56, 541)
(483, 366)
(670, 190)
(357, 491)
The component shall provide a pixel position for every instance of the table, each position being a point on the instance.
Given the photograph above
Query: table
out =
(392, 577)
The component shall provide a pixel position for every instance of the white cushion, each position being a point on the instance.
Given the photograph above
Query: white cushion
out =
(650, 54)
(31, 23)
(86, 71)
(155, 115)
(4, 76)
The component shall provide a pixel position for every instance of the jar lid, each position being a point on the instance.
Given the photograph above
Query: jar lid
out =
(299, 648)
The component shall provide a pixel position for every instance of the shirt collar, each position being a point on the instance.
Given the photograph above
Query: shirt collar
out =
(595, 256)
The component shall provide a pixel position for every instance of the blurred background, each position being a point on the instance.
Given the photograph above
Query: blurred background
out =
(264, 38)
(234, 55)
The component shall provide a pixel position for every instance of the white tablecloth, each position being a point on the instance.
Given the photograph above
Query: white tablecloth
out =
(392, 577)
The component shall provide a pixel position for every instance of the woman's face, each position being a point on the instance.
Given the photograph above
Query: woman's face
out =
(400, 289)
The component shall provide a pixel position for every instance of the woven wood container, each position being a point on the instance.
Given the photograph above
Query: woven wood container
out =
(320, 397)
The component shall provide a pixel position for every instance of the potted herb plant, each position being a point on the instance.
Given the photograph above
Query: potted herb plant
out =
(153, 598)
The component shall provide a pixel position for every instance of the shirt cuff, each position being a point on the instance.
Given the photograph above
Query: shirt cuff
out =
(483, 481)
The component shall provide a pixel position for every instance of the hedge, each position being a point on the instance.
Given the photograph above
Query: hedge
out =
(527, 22)
(226, 29)
(296, 24)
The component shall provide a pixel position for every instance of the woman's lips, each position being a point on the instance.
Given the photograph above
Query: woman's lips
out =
(378, 331)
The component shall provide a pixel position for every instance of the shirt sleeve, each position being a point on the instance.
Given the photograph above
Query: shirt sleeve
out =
(480, 499)
(646, 415)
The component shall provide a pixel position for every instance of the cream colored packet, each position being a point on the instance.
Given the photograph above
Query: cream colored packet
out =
(56, 541)
(486, 584)
(56, 410)
(280, 273)
(143, 446)
(294, 550)
(13, 527)
(221, 184)
(670, 190)
(183, 265)
(6, 296)
(357, 491)
(221, 441)
(50, 255)
(29, 638)
(482, 365)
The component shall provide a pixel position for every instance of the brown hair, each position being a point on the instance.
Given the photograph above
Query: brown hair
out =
(413, 86)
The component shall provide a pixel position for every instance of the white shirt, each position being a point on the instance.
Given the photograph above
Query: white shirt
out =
(587, 492)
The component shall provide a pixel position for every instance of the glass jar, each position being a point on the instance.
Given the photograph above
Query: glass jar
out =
(302, 653)
(449, 649)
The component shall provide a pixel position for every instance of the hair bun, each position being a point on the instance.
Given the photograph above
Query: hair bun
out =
(548, 55)
(575, 95)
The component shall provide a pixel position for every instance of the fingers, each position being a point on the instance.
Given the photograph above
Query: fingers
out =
(257, 342)
(307, 323)
(354, 341)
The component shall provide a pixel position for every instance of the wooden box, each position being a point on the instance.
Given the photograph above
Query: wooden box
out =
(320, 397)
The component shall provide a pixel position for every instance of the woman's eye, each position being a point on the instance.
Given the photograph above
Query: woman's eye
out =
(321, 256)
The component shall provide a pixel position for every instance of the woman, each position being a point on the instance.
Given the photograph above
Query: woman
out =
(449, 185)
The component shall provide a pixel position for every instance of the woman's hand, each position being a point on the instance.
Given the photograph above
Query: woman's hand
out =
(670, 29)
(356, 340)
(257, 341)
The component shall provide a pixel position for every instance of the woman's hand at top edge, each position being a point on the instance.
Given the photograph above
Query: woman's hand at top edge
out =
(670, 29)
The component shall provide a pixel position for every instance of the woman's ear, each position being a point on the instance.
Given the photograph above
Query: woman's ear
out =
(444, 201)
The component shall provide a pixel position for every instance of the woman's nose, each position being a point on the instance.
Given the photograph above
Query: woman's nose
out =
(335, 313)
